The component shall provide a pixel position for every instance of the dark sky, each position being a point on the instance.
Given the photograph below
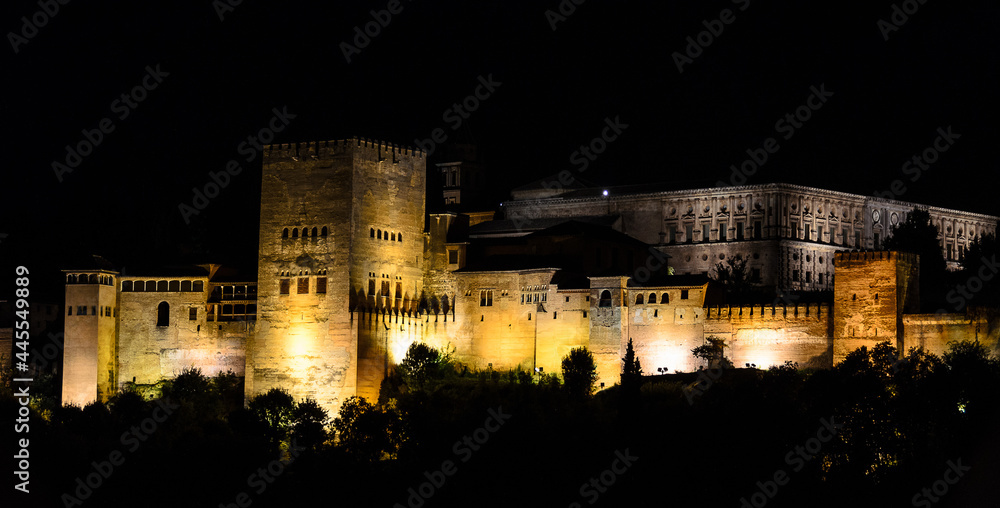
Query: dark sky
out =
(605, 60)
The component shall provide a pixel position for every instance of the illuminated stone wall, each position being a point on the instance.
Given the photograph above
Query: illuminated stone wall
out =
(368, 197)
(872, 292)
(90, 341)
(767, 335)
(932, 332)
(149, 353)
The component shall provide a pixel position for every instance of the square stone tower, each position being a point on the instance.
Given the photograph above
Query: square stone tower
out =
(872, 291)
(341, 235)
(91, 331)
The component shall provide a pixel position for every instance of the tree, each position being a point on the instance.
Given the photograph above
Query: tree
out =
(917, 235)
(274, 411)
(579, 372)
(714, 353)
(631, 369)
(423, 363)
(735, 277)
(369, 432)
(979, 260)
(309, 421)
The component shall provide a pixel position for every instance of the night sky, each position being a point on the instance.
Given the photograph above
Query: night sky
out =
(604, 60)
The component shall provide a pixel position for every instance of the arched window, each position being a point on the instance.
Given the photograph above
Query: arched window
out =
(372, 232)
(605, 299)
(198, 286)
(324, 232)
(295, 232)
(652, 298)
(314, 232)
(284, 233)
(379, 234)
(305, 232)
(638, 299)
(393, 237)
(93, 278)
(665, 298)
(161, 285)
(71, 279)
(163, 314)
(399, 237)
(174, 286)
(186, 286)
(127, 285)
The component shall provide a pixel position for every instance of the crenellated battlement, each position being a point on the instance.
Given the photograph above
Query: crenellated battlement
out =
(332, 148)
(817, 311)
(842, 258)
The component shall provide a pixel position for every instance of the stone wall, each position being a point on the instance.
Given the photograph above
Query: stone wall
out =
(872, 292)
(767, 335)
(149, 353)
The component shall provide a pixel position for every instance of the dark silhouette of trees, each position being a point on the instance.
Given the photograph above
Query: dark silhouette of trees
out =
(714, 353)
(579, 372)
(369, 433)
(631, 369)
(918, 236)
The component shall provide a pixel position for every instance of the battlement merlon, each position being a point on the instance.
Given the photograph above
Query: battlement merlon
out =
(842, 258)
(331, 148)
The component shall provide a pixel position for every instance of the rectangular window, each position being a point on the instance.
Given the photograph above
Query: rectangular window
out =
(321, 286)
(949, 246)
(876, 241)
(453, 257)
(809, 277)
(808, 233)
(795, 275)
(671, 234)
(285, 284)
(755, 275)
(844, 239)
(81, 310)
(193, 313)
(722, 232)
(689, 233)
(69, 310)
(93, 310)
(857, 239)
(819, 233)
(819, 278)
(756, 230)
(303, 285)
(795, 229)
(486, 298)
(684, 294)
(739, 230)
(102, 311)
(107, 311)
(385, 288)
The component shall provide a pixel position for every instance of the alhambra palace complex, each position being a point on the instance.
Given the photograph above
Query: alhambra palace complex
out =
(352, 270)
